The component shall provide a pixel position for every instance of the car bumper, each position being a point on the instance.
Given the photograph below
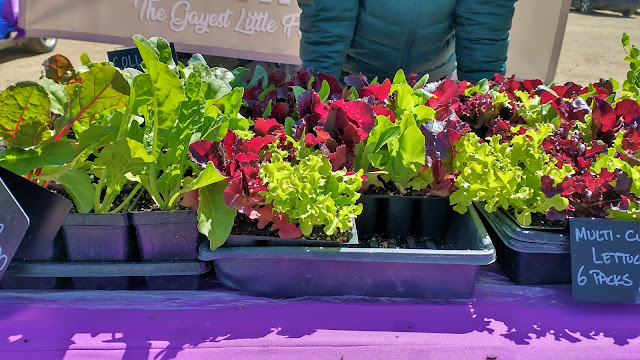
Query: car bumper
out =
(617, 5)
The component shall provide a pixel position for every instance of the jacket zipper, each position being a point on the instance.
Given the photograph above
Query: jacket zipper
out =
(412, 29)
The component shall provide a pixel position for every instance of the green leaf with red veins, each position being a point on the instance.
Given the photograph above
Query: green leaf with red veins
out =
(30, 133)
(58, 69)
(102, 90)
(19, 102)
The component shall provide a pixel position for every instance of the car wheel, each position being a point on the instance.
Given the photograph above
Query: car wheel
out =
(585, 6)
(40, 45)
(628, 13)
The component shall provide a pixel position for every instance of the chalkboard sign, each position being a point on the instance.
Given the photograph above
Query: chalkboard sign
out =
(605, 260)
(13, 225)
(130, 57)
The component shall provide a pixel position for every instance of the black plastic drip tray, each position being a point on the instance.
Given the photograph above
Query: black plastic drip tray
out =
(508, 229)
(105, 269)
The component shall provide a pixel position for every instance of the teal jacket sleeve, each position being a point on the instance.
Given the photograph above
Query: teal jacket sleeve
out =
(482, 37)
(327, 28)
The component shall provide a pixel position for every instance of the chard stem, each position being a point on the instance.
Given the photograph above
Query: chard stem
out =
(127, 199)
(127, 116)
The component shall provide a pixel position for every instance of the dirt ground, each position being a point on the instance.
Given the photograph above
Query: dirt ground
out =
(591, 49)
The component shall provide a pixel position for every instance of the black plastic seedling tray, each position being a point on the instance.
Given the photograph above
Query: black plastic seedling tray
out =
(181, 272)
(446, 272)
(529, 256)
(391, 216)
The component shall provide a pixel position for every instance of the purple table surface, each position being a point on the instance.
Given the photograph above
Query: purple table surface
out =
(502, 320)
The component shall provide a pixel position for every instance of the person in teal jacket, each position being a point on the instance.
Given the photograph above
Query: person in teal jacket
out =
(378, 37)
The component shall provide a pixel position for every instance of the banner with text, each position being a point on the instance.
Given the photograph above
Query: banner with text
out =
(266, 30)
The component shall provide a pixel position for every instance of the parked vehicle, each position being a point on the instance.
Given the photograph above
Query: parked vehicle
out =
(625, 7)
(33, 44)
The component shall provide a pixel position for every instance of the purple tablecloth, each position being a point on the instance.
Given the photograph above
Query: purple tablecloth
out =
(502, 319)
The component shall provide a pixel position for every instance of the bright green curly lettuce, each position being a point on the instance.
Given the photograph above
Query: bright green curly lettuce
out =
(309, 193)
(507, 174)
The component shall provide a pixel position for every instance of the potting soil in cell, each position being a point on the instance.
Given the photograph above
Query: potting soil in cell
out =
(404, 243)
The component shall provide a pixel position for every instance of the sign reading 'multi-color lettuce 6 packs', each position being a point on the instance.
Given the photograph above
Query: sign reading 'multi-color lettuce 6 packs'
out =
(605, 260)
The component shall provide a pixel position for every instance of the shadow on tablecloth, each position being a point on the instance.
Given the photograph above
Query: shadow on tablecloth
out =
(135, 321)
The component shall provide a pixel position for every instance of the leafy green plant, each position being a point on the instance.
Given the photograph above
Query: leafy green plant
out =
(412, 149)
(398, 153)
(396, 150)
(37, 119)
(508, 174)
(178, 105)
(308, 192)
(131, 127)
(632, 82)
(276, 181)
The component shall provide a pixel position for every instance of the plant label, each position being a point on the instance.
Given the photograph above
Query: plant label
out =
(605, 260)
(130, 57)
(13, 225)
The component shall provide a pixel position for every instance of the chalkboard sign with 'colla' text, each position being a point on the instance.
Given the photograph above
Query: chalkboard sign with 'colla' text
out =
(605, 260)
(13, 225)
(130, 57)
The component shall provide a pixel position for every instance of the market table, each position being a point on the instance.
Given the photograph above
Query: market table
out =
(502, 321)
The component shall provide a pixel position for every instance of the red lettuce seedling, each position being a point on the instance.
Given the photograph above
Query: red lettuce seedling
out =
(239, 161)
(276, 97)
(335, 127)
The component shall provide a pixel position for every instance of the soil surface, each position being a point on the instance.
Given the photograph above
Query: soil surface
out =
(403, 243)
(540, 220)
(243, 225)
(390, 189)
(591, 50)
(144, 202)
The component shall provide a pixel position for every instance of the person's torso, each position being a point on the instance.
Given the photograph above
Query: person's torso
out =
(414, 35)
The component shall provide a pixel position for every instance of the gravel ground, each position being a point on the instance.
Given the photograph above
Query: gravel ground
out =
(591, 48)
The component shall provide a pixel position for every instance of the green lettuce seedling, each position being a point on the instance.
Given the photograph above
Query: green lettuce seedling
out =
(507, 174)
(308, 192)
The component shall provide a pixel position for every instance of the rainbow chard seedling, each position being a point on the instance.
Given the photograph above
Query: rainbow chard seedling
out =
(37, 122)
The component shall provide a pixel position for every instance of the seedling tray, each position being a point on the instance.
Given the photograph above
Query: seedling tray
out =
(295, 271)
(174, 270)
(394, 216)
(529, 256)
